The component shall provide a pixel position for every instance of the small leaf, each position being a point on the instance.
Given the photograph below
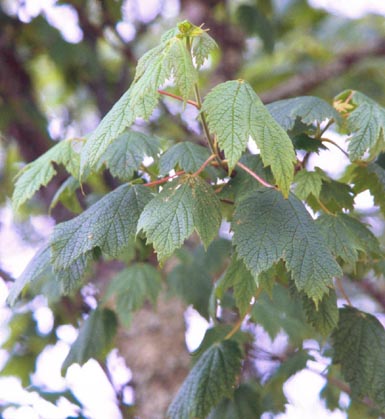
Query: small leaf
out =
(268, 228)
(192, 279)
(67, 196)
(243, 283)
(323, 318)
(109, 225)
(133, 286)
(235, 113)
(370, 177)
(335, 196)
(95, 338)
(309, 183)
(171, 216)
(346, 237)
(358, 346)
(38, 173)
(203, 45)
(367, 123)
(127, 152)
(188, 156)
(308, 109)
(212, 378)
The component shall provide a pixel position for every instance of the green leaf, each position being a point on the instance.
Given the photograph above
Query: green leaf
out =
(358, 346)
(127, 152)
(323, 318)
(133, 286)
(192, 279)
(268, 228)
(211, 378)
(235, 113)
(245, 404)
(367, 122)
(253, 21)
(169, 58)
(281, 312)
(38, 266)
(67, 196)
(309, 183)
(171, 216)
(188, 156)
(120, 117)
(308, 109)
(193, 283)
(109, 225)
(335, 196)
(70, 276)
(347, 237)
(243, 283)
(243, 184)
(203, 45)
(370, 177)
(38, 173)
(95, 338)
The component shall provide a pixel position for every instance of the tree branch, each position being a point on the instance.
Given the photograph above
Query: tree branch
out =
(306, 81)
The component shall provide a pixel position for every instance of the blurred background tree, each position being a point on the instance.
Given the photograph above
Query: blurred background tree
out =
(63, 64)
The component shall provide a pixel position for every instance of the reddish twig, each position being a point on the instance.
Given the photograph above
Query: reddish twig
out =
(255, 176)
(190, 102)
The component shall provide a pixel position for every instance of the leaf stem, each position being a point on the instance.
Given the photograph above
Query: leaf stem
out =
(164, 179)
(323, 207)
(255, 176)
(327, 140)
(212, 157)
(342, 290)
(180, 98)
(202, 114)
(238, 324)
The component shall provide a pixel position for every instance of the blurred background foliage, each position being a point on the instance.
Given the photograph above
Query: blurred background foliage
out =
(64, 64)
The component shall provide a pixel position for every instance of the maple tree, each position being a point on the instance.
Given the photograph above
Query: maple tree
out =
(283, 261)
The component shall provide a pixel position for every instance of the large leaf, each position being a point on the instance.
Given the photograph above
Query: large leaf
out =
(235, 113)
(169, 58)
(346, 237)
(109, 225)
(268, 228)
(171, 216)
(367, 123)
(358, 346)
(95, 338)
(41, 171)
(281, 312)
(212, 378)
(120, 117)
(245, 404)
(36, 268)
(188, 156)
(133, 286)
(308, 109)
(127, 152)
